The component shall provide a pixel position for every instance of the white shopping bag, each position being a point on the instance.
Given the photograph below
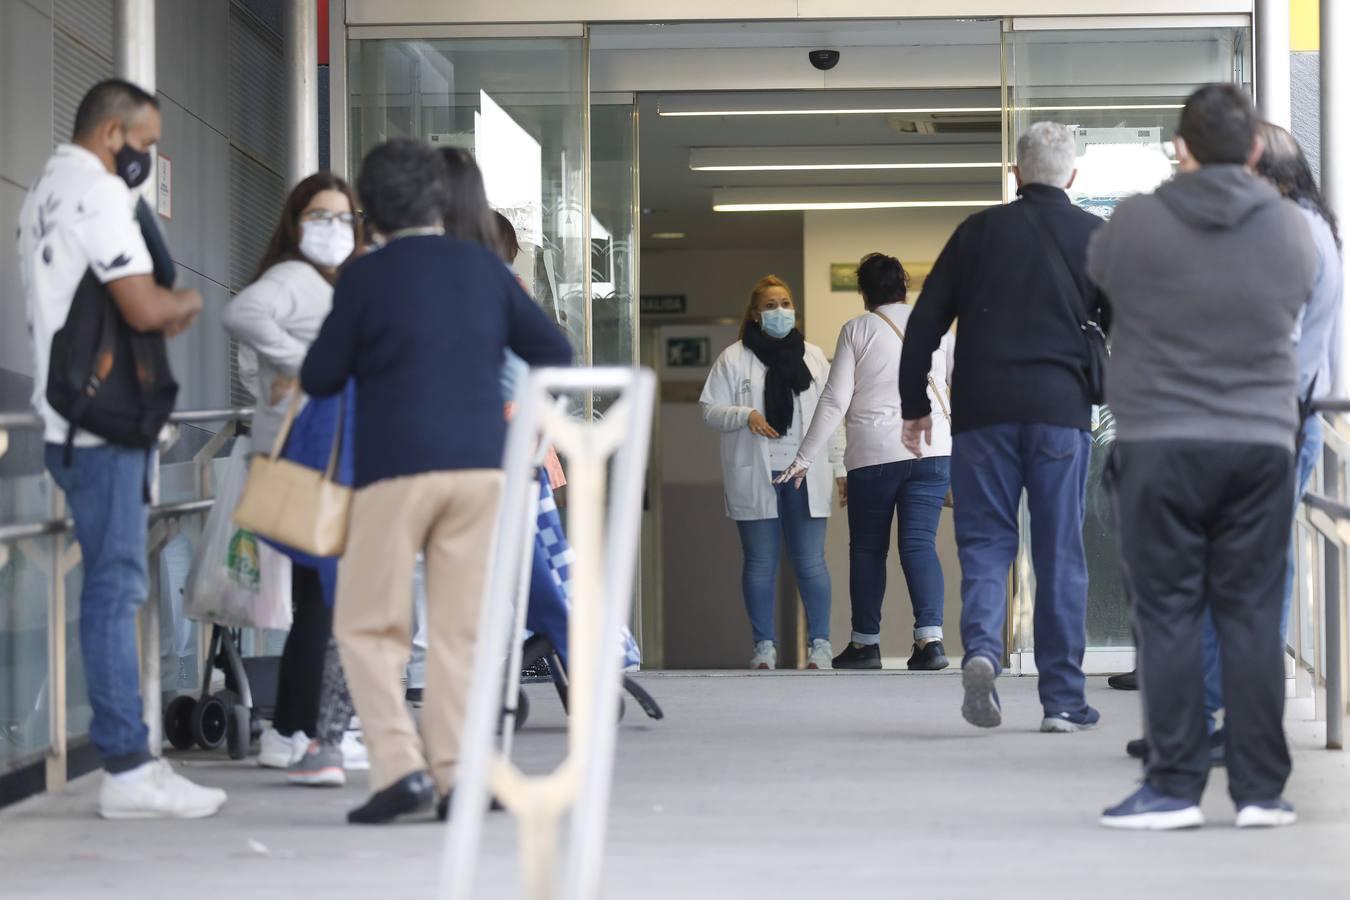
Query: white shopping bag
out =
(237, 580)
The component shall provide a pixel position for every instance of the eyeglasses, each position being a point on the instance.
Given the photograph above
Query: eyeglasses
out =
(325, 216)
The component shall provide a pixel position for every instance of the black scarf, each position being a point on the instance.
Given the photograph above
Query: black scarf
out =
(788, 374)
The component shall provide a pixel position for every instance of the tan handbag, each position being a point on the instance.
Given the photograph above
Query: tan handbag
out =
(293, 504)
(947, 501)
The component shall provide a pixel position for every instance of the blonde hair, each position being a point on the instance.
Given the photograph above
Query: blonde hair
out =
(768, 281)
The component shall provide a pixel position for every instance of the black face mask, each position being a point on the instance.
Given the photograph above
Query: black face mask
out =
(132, 165)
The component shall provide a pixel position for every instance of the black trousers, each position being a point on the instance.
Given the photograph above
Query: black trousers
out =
(1205, 525)
(300, 679)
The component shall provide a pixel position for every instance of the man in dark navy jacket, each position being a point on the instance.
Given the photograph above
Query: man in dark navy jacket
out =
(1021, 416)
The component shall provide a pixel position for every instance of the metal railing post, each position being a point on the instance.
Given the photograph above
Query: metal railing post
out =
(57, 739)
(1331, 601)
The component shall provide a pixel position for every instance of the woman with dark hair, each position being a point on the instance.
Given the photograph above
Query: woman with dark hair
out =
(467, 214)
(421, 324)
(509, 241)
(885, 481)
(762, 394)
(277, 317)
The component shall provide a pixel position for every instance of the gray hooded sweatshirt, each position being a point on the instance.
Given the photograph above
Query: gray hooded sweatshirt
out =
(1206, 278)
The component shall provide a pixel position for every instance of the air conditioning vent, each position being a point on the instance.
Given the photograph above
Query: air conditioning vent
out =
(939, 124)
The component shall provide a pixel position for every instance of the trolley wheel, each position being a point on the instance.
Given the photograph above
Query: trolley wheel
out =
(522, 709)
(178, 722)
(238, 735)
(210, 723)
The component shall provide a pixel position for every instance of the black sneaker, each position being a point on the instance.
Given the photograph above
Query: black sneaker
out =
(1218, 757)
(1126, 681)
(408, 796)
(443, 806)
(931, 657)
(859, 656)
(413, 696)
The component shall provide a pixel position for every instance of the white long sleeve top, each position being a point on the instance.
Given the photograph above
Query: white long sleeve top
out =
(864, 392)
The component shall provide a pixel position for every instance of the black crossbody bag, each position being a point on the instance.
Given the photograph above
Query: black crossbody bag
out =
(1088, 319)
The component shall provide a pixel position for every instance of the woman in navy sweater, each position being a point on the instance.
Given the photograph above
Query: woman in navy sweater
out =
(421, 324)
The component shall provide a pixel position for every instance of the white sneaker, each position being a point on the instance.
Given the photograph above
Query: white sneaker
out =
(156, 791)
(355, 756)
(822, 655)
(766, 656)
(280, 752)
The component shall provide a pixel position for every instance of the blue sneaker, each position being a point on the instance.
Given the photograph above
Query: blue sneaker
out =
(980, 706)
(1148, 810)
(1068, 723)
(1266, 814)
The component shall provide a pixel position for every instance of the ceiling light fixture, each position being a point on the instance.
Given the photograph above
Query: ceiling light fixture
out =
(666, 236)
(794, 206)
(844, 167)
(916, 111)
(842, 158)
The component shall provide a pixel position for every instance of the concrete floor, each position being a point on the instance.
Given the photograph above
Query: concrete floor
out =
(784, 786)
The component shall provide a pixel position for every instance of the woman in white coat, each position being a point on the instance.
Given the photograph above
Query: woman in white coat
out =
(761, 395)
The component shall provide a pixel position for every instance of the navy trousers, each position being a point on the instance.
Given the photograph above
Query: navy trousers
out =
(990, 469)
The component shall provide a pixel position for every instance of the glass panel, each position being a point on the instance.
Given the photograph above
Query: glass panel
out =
(1122, 92)
(24, 583)
(519, 105)
(613, 235)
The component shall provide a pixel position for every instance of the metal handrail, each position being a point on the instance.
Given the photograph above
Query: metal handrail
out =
(27, 420)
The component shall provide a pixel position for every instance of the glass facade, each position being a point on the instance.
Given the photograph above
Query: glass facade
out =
(1122, 91)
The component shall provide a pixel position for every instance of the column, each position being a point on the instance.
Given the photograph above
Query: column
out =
(300, 26)
(1335, 92)
(1272, 62)
(134, 55)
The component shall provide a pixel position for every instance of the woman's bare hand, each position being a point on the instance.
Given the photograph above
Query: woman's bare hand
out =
(760, 425)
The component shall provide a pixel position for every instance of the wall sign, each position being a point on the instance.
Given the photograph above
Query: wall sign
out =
(164, 194)
(664, 304)
(688, 353)
(843, 277)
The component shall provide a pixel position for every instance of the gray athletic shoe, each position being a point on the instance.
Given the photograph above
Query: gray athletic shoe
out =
(980, 706)
(319, 767)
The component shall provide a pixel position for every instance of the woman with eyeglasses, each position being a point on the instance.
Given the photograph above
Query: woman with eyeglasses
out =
(277, 317)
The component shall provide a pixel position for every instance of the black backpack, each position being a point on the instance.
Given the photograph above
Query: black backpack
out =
(106, 378)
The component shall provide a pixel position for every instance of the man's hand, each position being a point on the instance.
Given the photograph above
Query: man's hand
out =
(841, 484)
(917, 433)
(796, 473)
(760, 425)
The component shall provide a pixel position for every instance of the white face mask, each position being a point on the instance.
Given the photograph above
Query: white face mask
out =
(326, 244)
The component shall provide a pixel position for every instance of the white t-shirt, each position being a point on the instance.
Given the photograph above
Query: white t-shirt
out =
(783, 450)
(78, 216)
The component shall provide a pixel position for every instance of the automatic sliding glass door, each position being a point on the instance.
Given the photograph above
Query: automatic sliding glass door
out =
(1121, 89)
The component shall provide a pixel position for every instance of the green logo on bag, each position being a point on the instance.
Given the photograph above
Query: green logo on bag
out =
(242, 561)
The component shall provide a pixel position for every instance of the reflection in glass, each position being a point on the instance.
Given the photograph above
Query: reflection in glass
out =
(1122, 92)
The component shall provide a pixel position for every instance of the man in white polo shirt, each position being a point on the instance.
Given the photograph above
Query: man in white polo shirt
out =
(79, 217)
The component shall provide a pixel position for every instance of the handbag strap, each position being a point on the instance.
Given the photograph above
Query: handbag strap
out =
(931, 382)
(1067, 284)
(285, 431)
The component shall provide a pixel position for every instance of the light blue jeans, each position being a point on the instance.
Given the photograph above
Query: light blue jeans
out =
(762, 540)
(1308, 455)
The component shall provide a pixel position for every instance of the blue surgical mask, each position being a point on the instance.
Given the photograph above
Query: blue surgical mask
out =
(777, 322)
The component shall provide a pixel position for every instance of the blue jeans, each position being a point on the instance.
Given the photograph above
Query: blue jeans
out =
(990, 468)
(914, 489)
(805, 536)
(105, 489)
(1308, 455)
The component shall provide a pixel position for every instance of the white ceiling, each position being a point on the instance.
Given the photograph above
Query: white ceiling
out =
(676, 199)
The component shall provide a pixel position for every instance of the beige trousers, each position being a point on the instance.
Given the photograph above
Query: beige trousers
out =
(451, 517)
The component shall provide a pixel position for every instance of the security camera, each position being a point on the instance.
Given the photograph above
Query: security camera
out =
(824, 60)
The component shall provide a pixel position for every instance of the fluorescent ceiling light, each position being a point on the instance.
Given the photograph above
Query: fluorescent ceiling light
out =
(790, 206)
(842, 111)
(785, 199)
(666, 236)
(841, 158)
(914, 111)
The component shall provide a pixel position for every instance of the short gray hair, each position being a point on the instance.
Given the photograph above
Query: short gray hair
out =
(1047, 154)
